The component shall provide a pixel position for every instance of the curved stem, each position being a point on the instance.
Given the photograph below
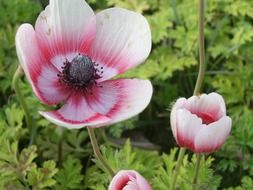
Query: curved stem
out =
(176, 172)
(97, 152)
(201, 48)
(201, 74)
(196, 172)
(15, 86)
(60, 146)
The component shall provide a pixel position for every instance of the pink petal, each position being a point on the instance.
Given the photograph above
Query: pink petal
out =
(188, 126)
(173, 115)
(210, 107)
(41, 74)
(129, 180)
(65, 27)
(75, 113)
(131, 186)
(123, 40)
(120, 99)
(211, 137)
(142, 182)
(119, 180)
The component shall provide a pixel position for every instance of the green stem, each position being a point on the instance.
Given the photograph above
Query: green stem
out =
(201, 74)
(60, 146)
(97, 152)
(176, 172)
(196, 172)
(201, 37)
(15, 86)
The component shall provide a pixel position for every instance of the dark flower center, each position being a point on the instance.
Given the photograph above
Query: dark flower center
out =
(81, 73)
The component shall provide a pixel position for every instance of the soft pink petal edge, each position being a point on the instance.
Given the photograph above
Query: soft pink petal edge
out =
(123, 177)
(134, 97)
(119, 180)
(123, 40)
(187, 125)
(173, 115)
(142, 182)
(212, 103)
(41, 75)
(65, 27)
(75, 113)
(213, 136)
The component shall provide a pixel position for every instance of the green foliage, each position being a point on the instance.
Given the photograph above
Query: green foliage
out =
(70, 177)
(125, 158)
(40, 178)
(247, 183)
(206, 177)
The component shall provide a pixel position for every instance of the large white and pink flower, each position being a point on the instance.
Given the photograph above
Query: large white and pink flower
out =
(129, 180)
(200, 123)
(71, 56)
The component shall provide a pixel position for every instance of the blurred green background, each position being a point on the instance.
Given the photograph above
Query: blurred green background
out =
(172, 67)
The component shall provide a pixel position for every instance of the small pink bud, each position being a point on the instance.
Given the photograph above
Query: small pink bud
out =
(129, 180)
(200, 123)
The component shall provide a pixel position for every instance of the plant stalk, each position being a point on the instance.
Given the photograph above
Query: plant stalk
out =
(60, 136)
(201, 40)
(97, 152)
(28, 118)
(196, 172)
(201, 74)
(176, 172)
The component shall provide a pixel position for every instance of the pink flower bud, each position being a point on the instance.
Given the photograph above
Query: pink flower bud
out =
(129, 180)
(200, 122)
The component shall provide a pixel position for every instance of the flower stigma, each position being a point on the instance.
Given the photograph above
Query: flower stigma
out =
(81, 73)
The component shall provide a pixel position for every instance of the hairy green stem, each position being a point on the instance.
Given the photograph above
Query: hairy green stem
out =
(201, 37)
(196, 172)
(176, 172)
(97, 152)
(15, 86)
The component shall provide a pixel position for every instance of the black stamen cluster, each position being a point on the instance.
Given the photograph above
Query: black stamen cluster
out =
(81, 73)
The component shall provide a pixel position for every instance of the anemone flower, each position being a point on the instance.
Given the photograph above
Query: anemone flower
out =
(71, 56)
(200, 123)
(129, 180)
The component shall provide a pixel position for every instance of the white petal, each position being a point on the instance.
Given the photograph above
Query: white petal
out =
(211, 137)
(65, 26)
(188, 126)
(123, 40)
(121, 99)
(212, 105)
(173, 115)
(39, 72)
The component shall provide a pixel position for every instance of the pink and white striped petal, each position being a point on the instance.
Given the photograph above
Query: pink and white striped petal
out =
(120, 99)
(188, 125)
(41, 74)
(210, 107)
(65, 27)
(75, 113)
(211, 137)
(123, 40)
